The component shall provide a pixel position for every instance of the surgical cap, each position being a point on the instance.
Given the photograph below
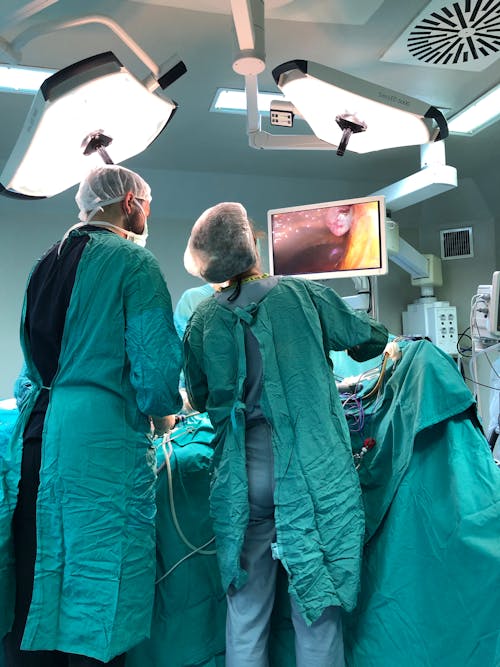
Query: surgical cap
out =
(221, 245)
(106, 185)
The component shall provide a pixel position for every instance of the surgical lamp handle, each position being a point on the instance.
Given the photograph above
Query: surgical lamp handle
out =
(51, 26)
(97, 142)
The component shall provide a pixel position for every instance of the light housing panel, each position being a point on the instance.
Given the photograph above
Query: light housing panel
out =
(322, 94)
(95, 95)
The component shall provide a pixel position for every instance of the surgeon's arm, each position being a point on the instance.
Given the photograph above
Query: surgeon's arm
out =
(195, 378)
(345, 328)
(374, 346)
(152, 344)
(162, 425)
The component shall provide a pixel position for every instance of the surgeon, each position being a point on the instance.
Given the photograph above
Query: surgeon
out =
(182, 312)
(187, 303)
(284, 488)
(102, 364)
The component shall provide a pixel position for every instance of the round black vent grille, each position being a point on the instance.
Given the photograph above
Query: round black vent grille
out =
(463, 32)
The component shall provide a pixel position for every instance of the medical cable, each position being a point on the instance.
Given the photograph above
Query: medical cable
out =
(355, 415)
(195, 550)
(463, 350)
(352, 401)
(476, 302)
(179, 562)
(166, 438)
(378, 385)
(369, 291)
(356, 423)
(480, 384)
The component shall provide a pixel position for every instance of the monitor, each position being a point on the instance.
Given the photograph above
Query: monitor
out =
(336, 239)
(494, 307)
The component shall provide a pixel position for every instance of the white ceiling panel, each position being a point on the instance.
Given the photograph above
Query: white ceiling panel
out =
(348, 35)
(352, 12)
(462, 35)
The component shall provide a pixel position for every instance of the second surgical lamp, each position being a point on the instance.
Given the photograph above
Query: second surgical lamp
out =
(343, 111)
(346, 111)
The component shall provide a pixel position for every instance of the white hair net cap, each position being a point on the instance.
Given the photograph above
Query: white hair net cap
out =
(221, 245)
(106, 185)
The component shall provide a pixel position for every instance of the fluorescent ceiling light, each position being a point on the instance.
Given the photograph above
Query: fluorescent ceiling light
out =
(17, 79)
(87, 113)
(478, 115)
(348, 112)
(8, 404)
(231, 100)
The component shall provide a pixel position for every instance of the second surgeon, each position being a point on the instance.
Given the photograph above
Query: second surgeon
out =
(284, 487)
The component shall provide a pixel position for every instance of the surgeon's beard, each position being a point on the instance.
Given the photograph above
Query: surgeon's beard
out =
(137, 226)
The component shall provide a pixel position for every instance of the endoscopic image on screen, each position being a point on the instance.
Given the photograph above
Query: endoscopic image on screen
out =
(329, 238)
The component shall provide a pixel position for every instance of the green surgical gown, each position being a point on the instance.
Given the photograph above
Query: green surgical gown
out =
(318, 509)
(119, 362)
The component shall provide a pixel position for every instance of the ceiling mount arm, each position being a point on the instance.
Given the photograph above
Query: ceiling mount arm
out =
(391, 119)
(8, 54)
(252, 95)
(248, 20)
(51, 26)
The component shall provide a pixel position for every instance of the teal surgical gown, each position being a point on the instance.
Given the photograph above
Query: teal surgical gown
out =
(119, 361)
(318, 509)
(187, 303)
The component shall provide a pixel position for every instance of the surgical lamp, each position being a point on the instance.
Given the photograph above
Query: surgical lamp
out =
(351, 113)
(92, 112)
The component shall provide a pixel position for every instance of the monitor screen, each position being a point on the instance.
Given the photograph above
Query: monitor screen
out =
(494, 307)
(337, 239)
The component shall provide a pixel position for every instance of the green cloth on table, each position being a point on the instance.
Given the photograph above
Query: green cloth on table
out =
(188, 626)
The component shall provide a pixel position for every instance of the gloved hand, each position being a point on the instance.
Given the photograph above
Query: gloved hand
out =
(161, 425)
(393, 351)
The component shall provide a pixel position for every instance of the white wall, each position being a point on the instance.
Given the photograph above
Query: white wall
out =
(29, 228)
(464, 206)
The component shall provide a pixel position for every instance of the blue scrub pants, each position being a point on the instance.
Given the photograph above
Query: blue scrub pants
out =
(249, 608)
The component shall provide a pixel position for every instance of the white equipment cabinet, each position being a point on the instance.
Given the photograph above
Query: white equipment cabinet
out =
(435, 319)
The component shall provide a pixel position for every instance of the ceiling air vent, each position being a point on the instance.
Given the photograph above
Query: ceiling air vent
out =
(456, 243)
(462, 35)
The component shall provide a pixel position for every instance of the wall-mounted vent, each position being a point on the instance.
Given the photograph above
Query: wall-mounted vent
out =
(456, 243)
(461, 35)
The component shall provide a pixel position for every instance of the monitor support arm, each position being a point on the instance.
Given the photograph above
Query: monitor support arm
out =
(434, 177)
